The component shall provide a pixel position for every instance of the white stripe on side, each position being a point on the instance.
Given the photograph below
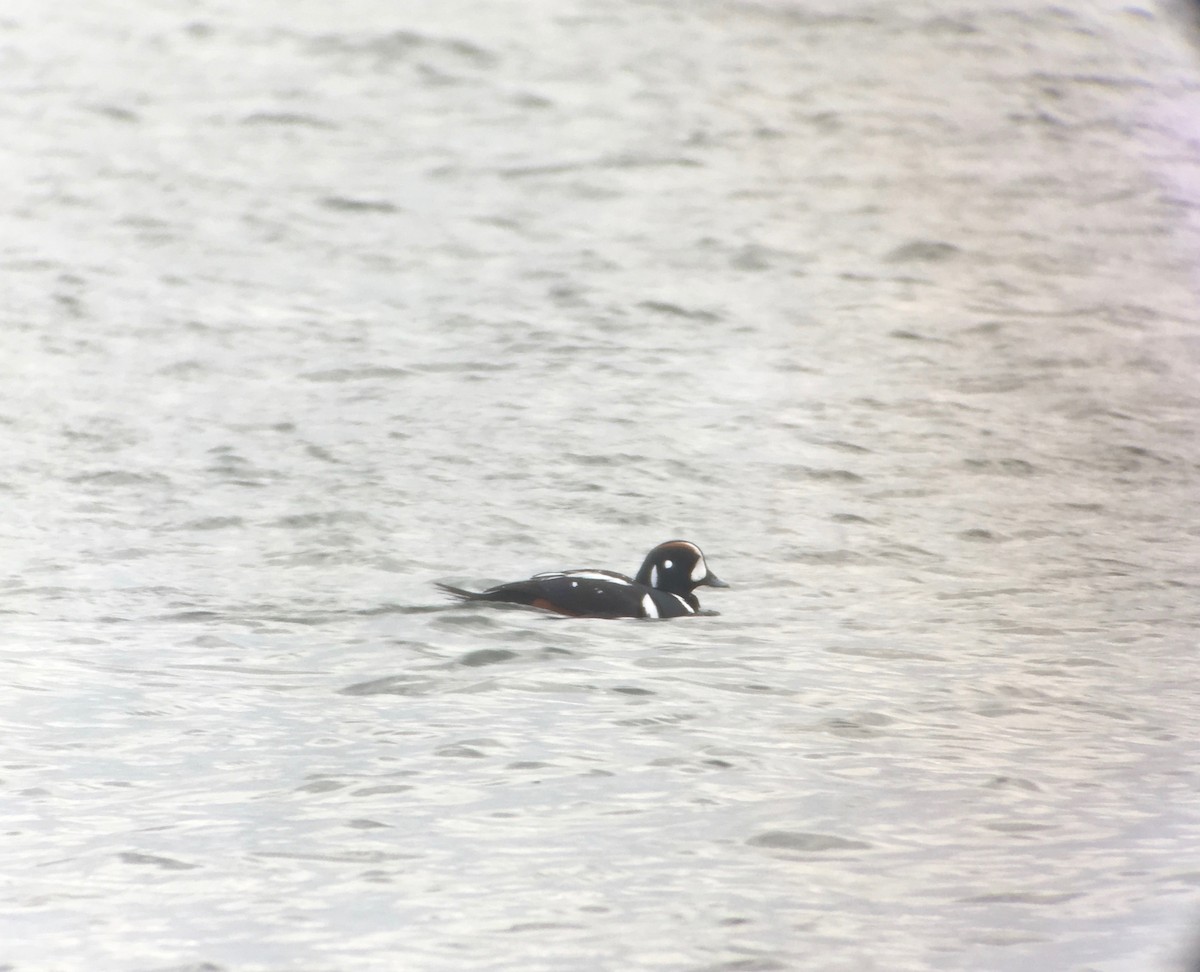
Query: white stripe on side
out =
(687, 607)
(649, 607)
(599, 575)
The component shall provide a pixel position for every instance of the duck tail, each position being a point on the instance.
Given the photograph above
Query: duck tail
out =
(456, 592)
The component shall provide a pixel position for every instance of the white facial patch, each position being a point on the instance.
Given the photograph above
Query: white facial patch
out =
(700, 571)
(654, 576)
(649, 607)
(668, 564)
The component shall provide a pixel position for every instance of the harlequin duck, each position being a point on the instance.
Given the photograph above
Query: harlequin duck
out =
(662, 589)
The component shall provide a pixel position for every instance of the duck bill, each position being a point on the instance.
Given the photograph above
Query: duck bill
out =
(712, 580)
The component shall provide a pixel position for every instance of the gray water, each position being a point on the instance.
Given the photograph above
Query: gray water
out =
(892, 308)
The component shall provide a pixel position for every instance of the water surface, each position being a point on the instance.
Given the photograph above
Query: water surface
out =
(892, 310)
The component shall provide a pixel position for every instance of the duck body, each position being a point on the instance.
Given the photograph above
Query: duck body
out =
(662, 588)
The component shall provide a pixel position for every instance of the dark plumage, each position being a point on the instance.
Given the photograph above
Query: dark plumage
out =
(662, 589)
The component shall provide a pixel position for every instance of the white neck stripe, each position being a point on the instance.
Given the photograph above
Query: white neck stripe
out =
(687, 607)
(649, 607)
